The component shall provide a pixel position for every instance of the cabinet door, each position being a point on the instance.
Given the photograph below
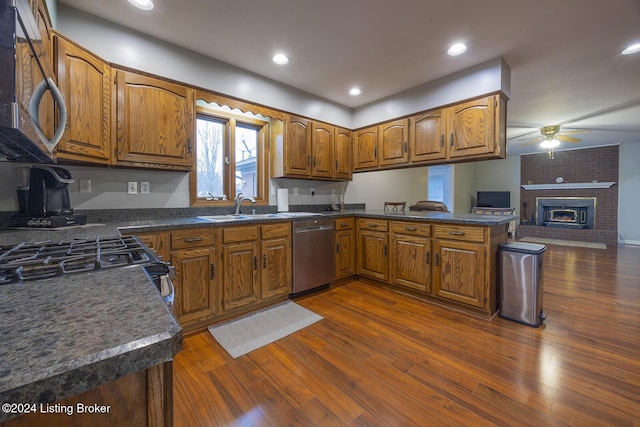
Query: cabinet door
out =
(343, 154)
(276, 267)
(411, 262)
(345, 253)
(154, 122)
(373, 260)
(322, 146)
(85, 82)
(365, 154)
(194, 284)
(240, 279)
(471, 127)
(297, 146)
(427, 137)
(394, 142)
(460, 271)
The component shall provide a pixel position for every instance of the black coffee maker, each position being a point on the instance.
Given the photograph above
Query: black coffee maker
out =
(43, 198)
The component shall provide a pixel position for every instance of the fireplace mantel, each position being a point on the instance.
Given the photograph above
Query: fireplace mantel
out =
(567, 185)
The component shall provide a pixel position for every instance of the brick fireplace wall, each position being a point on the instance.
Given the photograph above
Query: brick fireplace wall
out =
(587, 165)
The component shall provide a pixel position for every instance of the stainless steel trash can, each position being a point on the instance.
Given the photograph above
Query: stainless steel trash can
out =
(521, 282)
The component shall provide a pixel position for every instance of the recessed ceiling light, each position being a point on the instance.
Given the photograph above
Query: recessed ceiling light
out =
(457, 49)
(280, 59)
(354, 91)
(142, 4)
(631, 49)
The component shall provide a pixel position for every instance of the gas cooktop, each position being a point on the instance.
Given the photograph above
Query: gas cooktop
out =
(40, 260)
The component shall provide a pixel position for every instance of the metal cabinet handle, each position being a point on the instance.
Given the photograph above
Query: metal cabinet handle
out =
(344, 224)
(437, 258)
(315, 161)
(255, 262)
(193, 239)
(385, 250)
(336, 165)
(411, 229)
(337, 248)
(308, 160)
(457, 233)
(264, 261)
(451, 142)
(405, 146)
(371, 224)
(375, 152)
(442, 141)
(212, 271)
(427, 258)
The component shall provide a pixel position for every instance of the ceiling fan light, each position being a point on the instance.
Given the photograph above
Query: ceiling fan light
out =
(549, 143)
(631, 49)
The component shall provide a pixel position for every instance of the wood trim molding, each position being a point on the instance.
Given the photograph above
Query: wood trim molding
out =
(568, 186)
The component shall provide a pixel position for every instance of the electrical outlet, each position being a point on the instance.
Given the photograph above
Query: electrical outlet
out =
(312, 191)
(145, 187)
(132, 188)
(85, 186)
(295, 191)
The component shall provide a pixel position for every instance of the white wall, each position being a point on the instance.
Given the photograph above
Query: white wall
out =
(628, 194)
(465, 186)
(501, 175)
(400, 185)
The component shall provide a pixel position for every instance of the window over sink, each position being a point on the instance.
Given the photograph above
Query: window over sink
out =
(230, 157)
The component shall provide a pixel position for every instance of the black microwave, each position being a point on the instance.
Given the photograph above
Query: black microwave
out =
(29, 97)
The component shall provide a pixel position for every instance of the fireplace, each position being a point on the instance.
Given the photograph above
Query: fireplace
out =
(566, 212)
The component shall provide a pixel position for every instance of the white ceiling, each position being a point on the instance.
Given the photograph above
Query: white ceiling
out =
(566, 66)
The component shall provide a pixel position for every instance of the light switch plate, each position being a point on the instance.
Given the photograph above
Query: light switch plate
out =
(145, 187)
(132, 187)
(85, 186)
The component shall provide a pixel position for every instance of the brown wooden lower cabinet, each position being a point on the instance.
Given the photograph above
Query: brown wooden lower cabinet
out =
(140, 399)
(373, 249)
(411, 256)
(345, 248)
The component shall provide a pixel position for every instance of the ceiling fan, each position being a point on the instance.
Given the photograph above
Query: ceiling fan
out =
(551, 136)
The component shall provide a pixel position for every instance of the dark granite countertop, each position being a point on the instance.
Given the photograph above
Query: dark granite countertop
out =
(64, 335)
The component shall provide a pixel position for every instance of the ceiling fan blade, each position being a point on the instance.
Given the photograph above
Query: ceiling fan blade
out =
(571, 132)
(532, 141)
(567, 138)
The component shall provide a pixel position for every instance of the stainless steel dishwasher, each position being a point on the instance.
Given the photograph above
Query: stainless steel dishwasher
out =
(313, 254)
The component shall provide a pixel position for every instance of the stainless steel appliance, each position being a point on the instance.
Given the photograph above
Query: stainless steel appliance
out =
(28, 93)
(43, 198)
(313, 254)
(521, 282)
(28, 262)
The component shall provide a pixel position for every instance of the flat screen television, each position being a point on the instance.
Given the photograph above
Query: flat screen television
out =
(493, 199)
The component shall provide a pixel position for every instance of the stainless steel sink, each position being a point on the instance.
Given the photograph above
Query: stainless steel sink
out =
(232, 217)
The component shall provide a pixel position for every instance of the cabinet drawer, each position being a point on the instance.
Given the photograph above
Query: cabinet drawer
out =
(191, 238)
(373, 224)
(412, 228)
(269, 231)
(344, 224)
(239, 234)
(459, 232)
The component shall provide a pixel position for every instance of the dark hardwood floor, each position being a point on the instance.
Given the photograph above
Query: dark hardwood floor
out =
(381, 358)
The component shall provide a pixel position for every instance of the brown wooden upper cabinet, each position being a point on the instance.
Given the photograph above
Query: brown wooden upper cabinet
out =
(154, 121)
(322, 150)
(427, 136)
(85, 82)
(303, 148)
(383, 145)
(475, 128)
(343, 154)
(365, 148)
(394, 142)
(469, 130)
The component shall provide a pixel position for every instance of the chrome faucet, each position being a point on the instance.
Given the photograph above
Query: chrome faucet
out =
(238, 201)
